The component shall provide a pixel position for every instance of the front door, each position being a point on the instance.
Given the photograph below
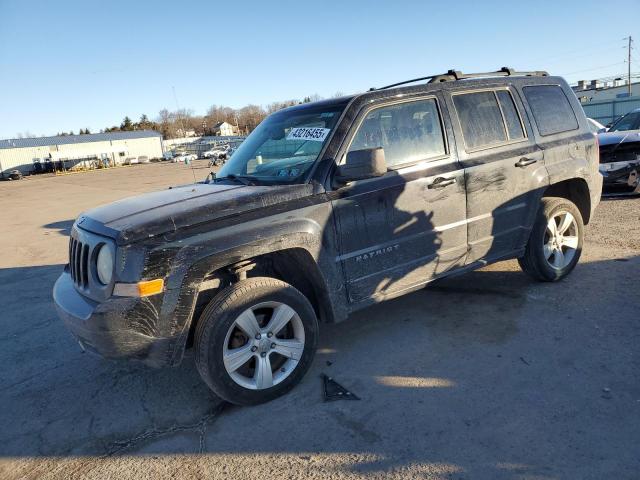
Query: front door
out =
(398, 231)
(504, 171)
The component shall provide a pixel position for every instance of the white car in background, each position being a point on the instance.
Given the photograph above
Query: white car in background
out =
(184, 157)
(217, 152)
(596, 127)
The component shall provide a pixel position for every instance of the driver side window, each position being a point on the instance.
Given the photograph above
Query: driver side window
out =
(409, 132)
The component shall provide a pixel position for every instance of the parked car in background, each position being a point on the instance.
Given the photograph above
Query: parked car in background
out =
(217, 152)
(630, 121)
(595, 126)
(620, 155)
(11, 175)
(329, 207)
(184, 157)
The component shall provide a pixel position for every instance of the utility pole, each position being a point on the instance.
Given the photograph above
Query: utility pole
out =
(629, 48)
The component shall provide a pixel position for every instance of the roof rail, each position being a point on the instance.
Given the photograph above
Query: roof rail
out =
(453, 75)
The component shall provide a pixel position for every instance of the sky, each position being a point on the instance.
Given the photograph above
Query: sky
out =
(66, 65)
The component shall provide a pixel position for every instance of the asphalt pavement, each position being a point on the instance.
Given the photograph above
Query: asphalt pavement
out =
(484, 376)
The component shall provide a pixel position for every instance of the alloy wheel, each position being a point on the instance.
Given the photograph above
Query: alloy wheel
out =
(263, 345)
(560, 239)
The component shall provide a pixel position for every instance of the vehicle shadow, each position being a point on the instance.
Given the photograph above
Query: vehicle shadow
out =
(63, 227)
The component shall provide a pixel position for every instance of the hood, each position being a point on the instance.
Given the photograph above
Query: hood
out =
(614, 138)
(156, 213)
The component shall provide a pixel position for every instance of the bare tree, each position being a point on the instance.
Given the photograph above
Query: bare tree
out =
(275, 106)
(250, 116)
(166, 124)
(311, 98)
(25, 134)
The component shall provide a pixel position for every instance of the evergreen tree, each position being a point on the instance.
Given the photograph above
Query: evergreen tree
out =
(126, 124)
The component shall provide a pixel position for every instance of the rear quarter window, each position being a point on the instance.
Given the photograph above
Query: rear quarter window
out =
(551, 109)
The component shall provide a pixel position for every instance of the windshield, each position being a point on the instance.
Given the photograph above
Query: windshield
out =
(631, 121)
(283, 148)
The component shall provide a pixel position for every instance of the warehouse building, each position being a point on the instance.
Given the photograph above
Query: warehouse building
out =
(71, 151)
(607, 100)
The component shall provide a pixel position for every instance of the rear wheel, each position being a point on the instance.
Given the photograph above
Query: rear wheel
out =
(555, 243)
(255, 340)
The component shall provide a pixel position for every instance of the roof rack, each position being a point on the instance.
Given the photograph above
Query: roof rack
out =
(453, 75)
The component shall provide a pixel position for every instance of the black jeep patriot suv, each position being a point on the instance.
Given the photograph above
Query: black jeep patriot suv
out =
(326, 208)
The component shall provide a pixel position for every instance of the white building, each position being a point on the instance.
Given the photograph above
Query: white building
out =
(606, 100)
(224, 129)
(115, 147)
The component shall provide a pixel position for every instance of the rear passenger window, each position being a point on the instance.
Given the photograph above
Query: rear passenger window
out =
(551, 109)
(408, 132)
(480, 119)
(511, 117)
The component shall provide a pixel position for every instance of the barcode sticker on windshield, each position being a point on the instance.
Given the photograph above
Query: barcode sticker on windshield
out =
(303, 133)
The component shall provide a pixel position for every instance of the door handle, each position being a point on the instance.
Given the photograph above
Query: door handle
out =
(524, 161)
(441, 182)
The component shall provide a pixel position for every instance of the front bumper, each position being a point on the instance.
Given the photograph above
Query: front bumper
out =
(116, 328)
(621, 176)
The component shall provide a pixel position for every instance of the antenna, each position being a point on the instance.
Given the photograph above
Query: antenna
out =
(184, 132)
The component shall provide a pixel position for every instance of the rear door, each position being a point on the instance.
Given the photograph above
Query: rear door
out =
(397, 231)
(568, 149)
(503, 167)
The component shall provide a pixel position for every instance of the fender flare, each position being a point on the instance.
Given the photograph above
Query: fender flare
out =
(195, 260)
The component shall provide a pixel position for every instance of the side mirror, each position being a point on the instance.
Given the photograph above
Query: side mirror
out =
(362, 164)
(602, 130)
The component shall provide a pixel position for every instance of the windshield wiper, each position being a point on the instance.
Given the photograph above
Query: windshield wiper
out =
(243, 179)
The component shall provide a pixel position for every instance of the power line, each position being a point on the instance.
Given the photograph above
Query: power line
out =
(594, 68)
(609, 50)
(583, 48)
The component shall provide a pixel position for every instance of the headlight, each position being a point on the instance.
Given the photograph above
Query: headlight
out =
(104, 265)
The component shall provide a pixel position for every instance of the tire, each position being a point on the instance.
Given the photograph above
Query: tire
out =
(550, 258)
(218, 330)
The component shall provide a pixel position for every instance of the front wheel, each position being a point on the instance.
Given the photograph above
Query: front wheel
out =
(255, 340)
(555, 243)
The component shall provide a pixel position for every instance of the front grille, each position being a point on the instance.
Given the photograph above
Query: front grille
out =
(79, 262)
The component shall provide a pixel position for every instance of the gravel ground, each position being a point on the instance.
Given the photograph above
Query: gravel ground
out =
(488, 375)
(617, 224)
